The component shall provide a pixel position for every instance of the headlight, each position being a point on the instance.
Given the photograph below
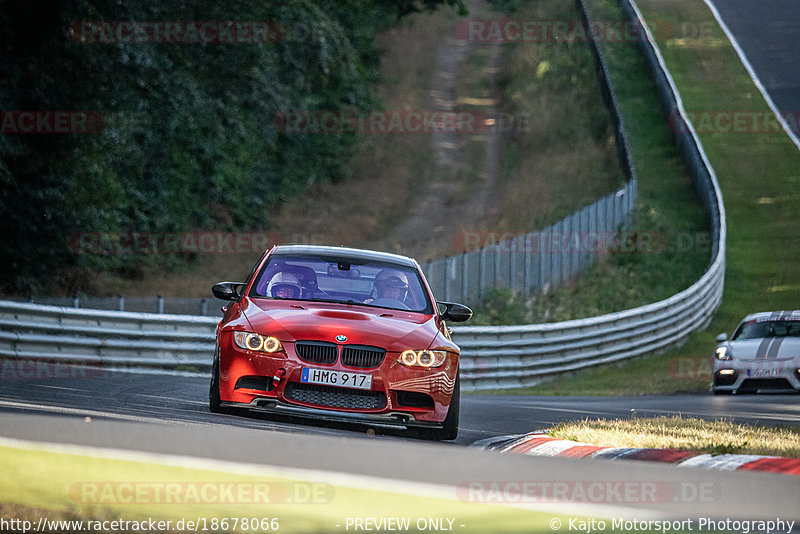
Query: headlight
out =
(423, 358)
(723, 353)
(256, 342)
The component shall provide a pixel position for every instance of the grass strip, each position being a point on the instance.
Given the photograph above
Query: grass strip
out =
(713, 437)
(68, 486)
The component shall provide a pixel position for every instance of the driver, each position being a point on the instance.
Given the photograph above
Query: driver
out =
(391, 284)
(284, 286)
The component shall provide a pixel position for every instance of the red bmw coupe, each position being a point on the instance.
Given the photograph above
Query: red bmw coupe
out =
(338, 334)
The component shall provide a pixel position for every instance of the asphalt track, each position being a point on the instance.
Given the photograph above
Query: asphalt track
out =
(768, 32)
(163, 398)
(168, 415)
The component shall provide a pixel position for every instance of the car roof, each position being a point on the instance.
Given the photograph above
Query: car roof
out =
(789, 315)
(347, 253)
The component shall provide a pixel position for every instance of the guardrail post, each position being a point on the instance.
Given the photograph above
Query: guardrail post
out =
(496, 248)
(481, 273)
(544, 258)
(512, 265)
(556, 271)
(464, 276)
(427, 270)
(121, 303)
(160, 301)
(446, 276)
(527, 266)
(574, 244)
(591, 241)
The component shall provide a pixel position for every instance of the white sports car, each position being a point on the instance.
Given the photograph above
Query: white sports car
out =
(763, 354)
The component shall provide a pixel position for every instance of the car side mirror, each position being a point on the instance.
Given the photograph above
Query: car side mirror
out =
(227, 290)
(457, 313)
(722, 337)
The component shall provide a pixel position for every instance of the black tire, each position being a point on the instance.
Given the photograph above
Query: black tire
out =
(214, 401)
(449, 429)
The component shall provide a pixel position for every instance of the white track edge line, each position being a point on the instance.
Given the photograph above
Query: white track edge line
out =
(358, 482)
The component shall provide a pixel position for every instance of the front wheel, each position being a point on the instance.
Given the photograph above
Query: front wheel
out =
(214, 401)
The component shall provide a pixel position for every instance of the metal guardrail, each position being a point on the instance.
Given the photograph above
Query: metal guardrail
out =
(107, 339)
(492, 357)
(152, 304)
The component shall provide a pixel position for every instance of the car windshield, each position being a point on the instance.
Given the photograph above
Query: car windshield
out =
(341, 279)
(761, 329)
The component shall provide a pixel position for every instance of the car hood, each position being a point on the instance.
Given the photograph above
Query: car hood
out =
(394, 330)
(771, 348)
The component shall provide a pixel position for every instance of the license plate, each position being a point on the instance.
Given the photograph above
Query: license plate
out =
(763, 372)
(336, 378)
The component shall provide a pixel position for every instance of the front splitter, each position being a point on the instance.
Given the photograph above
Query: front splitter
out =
(387, 420)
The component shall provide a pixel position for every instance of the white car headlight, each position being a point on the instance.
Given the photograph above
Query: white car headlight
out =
(723, 353)
(256, 342)
(423, 358)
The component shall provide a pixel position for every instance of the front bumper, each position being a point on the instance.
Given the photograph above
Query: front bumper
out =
(754, 377)
(400, 396)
